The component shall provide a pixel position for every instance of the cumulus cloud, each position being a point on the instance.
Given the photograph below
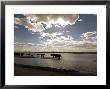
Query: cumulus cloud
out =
(54, 40)
(89, 35)
(62, 44)
(59, 41)
(40, 22)
(52, 17)
(70, 42)
(50, 35)
(30, 26)
(70, 46)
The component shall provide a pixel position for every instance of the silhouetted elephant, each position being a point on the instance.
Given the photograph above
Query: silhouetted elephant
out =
(56, 55)
(42, 55)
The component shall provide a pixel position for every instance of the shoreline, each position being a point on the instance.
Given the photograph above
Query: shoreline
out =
(62, 52)
(28, 70)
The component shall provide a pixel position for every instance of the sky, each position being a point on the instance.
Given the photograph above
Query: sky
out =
(55, 32)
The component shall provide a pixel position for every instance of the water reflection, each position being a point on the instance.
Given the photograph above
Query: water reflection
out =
(80, 62)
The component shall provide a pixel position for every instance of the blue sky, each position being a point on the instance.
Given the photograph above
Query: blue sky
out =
(55, 32)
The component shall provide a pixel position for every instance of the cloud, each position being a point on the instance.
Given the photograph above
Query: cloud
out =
(54, 40)
(67, 43)
(89, 35)
(73, 43)
(62, 44)
(30, 26)
(52, 17)
(50, 35)
(61, 40)
(69, 46)
(40, 22)
(23, 44)
(58, 42)
(19, 46)
(16, 27)
(86, 44)
(79, 20)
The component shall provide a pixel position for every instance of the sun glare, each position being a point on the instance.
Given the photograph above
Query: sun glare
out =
(60, 21)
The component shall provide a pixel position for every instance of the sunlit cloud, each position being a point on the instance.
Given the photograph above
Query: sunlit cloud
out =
(50, 35)
(62, 40)
(30, 26)
(53, 17)
(89, 35)
(69, 41)
(54, 33)
(60, 46)
(40, 22)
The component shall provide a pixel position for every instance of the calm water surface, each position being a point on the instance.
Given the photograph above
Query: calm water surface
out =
(85, 63)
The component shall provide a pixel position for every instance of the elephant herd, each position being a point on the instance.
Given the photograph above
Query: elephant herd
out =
(53, 55)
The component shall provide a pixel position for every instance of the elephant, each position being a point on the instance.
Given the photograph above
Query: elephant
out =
(56, 56)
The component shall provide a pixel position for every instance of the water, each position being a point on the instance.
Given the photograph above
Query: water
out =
(85, 63)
